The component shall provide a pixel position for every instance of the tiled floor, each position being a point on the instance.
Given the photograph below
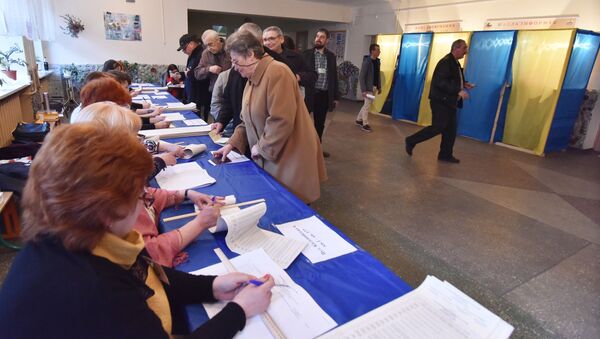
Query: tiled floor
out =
(517, 232)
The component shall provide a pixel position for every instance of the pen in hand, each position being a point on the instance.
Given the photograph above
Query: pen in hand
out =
(259, 283)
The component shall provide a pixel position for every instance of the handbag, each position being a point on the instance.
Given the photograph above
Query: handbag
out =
(31, 131)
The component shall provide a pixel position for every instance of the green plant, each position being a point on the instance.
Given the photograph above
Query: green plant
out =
(6, 58)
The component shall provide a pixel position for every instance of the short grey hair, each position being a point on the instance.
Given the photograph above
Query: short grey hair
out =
(243, 42)
(274, 29)
(252, 28)
(457, 44)
(209, 34)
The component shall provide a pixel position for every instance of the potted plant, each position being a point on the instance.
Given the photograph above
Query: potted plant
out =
(7, 59)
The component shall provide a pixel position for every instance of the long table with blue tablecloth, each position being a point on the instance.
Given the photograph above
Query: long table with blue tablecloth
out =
(345, 287)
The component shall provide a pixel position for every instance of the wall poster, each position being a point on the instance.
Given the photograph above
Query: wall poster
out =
(118, 26)
(337, 44)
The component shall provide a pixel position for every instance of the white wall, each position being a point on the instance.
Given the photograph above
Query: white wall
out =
(92, 47)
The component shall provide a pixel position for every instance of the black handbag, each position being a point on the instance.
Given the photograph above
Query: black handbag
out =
(31, 132)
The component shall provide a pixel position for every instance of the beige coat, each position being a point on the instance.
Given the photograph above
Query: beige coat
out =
(274, 116)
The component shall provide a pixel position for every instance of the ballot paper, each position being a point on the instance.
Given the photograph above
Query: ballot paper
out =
(173, 116)
(141, 97)
(178, 106)
(217, 138)
(323, 242)
(184, 176)
(435, 309)
(195, 122)
(159, 97)
(293, 310)
(193, 149)
(244, 235)
(236, 157)
(229, 200)
(178, 132)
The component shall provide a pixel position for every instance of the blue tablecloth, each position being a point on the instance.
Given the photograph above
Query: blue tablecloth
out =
(345, 287)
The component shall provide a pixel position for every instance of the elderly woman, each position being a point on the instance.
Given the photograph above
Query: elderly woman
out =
(164, 248)
(84, 270)
(275, 123)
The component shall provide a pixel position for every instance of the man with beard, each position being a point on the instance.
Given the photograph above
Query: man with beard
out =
(326, 95)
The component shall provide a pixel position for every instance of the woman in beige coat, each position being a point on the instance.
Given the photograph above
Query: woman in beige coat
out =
(275, 122)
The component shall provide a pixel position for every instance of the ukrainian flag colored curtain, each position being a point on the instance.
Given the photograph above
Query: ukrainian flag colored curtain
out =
(538, 68)
(439, 48)
(581, 62)
(390, 45)
(489, 55)
(410, 76)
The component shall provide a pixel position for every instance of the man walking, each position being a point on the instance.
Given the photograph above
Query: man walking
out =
(447, 92)
(370, 84)
(326, 94)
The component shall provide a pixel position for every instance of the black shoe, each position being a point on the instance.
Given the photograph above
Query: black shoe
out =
(367, 128)
(325, 154)
(358, 122)
(450, 159)
(408, 147)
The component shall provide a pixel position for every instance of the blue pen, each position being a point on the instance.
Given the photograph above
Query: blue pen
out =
(259, 283)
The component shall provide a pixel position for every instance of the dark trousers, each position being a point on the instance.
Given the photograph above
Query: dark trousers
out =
(320, 108)
(443, 120)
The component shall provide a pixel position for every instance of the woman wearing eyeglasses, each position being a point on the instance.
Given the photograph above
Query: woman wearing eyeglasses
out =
(275, 124)
(84, 272)
(164, 248)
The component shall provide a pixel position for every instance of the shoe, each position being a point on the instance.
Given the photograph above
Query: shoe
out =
(367, 128)
(358, 122)
(450, 159)
(325, 154)
(408, 147)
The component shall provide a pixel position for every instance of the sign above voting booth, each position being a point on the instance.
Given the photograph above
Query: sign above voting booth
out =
(543, 22)
(439, 26)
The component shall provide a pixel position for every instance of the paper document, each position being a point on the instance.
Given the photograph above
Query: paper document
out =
(173, 116)
(323, 242)
(178, 106)
(159, 97)
(217, 138)
(294, 311)
(435, 309)
(195, 122)
(141, 97)
(236, 157)
(229, 200)
(193, 149)
(244, 235)
(178, 132)
(184, 176)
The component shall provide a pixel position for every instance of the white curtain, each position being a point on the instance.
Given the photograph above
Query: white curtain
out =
(33, 19)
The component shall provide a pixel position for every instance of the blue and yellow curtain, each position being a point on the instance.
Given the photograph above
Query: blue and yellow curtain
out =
(581, 63)
(489, 56)
(439, 48)
(538, 70)
(410, 75)
(390, 45)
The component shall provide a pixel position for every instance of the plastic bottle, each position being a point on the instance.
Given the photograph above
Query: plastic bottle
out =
(46, 65)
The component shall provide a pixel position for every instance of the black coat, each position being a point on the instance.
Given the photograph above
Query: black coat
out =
(332, 79)
(53, 293)
(308, 76)
(445, 83)
(195, 89)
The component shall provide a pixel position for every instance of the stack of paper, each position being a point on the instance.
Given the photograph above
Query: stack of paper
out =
(435, 309)
(195, 122)
(179, 132)
(293, 310)
(323, 242)
(173, 116)
(184, 176)
(244, 235)
(178, 106)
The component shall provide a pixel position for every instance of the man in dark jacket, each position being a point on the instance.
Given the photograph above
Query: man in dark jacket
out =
(370, 84)
(446, 95)
(326, 94)
(194, 88)
(306, 76)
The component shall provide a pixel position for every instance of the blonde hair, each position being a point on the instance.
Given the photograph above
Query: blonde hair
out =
(111, 114)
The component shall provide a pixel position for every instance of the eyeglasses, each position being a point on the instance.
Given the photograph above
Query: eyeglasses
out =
(236, 64)
(147, 198)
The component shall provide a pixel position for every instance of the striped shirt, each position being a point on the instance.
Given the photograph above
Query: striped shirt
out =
(321, 64)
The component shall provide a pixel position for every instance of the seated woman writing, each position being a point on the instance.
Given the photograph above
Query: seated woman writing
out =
(164, 248)
(84, 271)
